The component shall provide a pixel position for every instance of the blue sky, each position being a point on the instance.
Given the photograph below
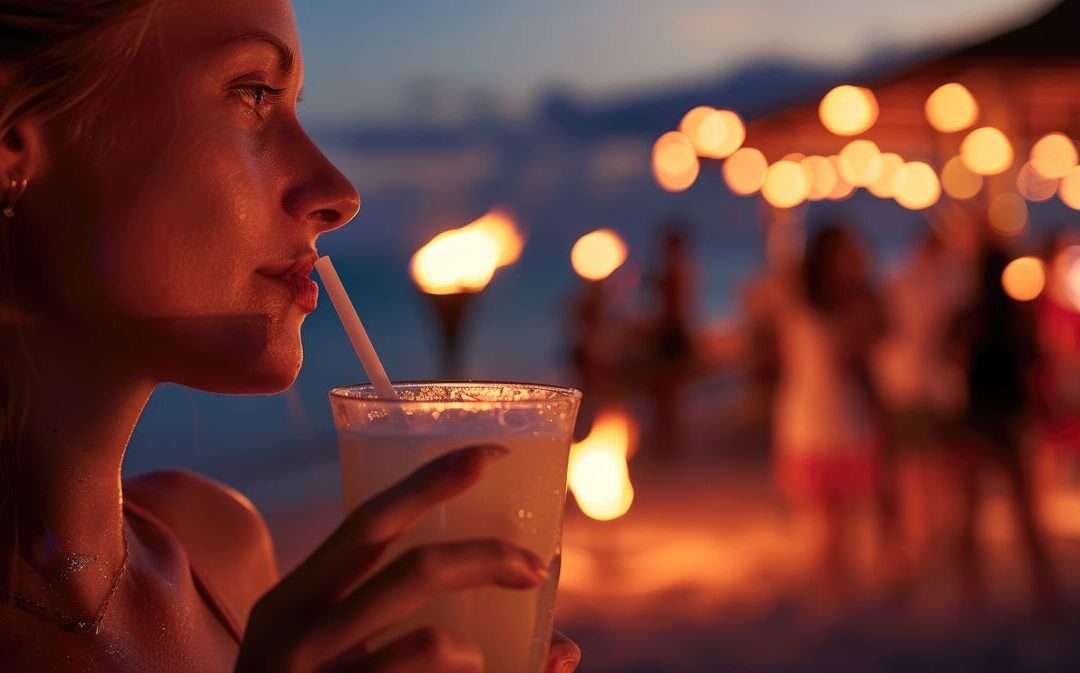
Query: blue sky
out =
(377, 59)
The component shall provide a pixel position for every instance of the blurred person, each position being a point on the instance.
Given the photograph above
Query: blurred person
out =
(994, 339)
(921, 387)
(826, 427)
(159, 207)
(671, 333)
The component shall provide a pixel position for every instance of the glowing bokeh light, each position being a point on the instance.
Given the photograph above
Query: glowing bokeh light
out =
(1024, 278)
(597, 472)
(842, 189)
(1008, 214)
(1033, 186)
(986, 151)
(721, 132)
(1069, 189)
(823, 177)
(916, 186)
(1066, 273)
(690, 126)
(882, 187)
(848, 110)
(675, 162)
(860, 163)
(1053, 155)
(597, 255)
(958, 181)
(786, 184)
(951, 107)
(744, 171)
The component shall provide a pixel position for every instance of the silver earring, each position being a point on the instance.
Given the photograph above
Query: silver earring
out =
(16, 187)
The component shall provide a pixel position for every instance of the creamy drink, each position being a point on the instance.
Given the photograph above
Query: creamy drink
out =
(520, 498)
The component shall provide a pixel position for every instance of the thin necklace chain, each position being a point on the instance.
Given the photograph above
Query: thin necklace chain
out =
(73, 624)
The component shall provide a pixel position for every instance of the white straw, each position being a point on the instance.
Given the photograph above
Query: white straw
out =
(355, 329)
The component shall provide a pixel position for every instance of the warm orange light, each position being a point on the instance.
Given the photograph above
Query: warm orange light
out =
(714, 133)
(597, 472)
(744, 171)
(674, 161)
(860, 163)
(1033, 186)
(1008, 214)
(502, 229)
(848, 110)
(1066, 271)
(951, 108)
(690, 126)
(823, 177)
(842, 189)
(883, 186)
(1053, 155)
(597, 255)
(1024, 278)
(786, 184)
(916, 186)
(459, 260)
(986, 151)
(958, 181)
(1069, 189)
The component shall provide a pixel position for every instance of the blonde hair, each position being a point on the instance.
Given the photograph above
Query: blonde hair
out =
(54, 55)
(59, 52)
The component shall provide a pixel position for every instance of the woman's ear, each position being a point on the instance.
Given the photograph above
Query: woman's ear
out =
(22, 149)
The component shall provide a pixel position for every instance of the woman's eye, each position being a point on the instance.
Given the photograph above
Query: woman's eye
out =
(258, 95)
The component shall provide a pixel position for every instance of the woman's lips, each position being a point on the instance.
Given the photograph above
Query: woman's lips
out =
(297, 279)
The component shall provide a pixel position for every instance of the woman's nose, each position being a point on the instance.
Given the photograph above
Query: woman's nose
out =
(324, 198)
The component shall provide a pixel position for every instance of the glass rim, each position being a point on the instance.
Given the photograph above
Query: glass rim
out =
(564, 393)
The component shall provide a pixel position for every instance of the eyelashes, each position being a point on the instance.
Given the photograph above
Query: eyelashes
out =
(258, 95)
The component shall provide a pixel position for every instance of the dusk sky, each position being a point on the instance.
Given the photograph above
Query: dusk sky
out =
(369, 59)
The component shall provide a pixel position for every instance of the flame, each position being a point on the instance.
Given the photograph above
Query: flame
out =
(1024, 278)
(597, 254)
(598, 475)
(848, 110)
(951, 108)
(465, 259)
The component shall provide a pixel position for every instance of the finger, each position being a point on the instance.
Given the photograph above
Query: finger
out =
(428, 650)
(564, 655)
(398, 590)
(356, 545)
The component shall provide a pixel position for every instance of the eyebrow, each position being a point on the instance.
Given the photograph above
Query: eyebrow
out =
(286, 57)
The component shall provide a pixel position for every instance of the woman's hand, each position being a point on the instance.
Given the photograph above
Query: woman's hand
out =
(321, 616)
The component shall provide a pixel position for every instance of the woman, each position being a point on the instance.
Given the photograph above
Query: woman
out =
(160, 204)
(826, 425)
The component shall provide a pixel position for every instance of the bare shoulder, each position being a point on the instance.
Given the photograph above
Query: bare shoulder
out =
(223, 533)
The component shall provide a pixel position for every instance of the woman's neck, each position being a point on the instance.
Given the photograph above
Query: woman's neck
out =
(61, 518)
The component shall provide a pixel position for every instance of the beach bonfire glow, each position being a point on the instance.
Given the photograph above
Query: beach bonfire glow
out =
(598, 474)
